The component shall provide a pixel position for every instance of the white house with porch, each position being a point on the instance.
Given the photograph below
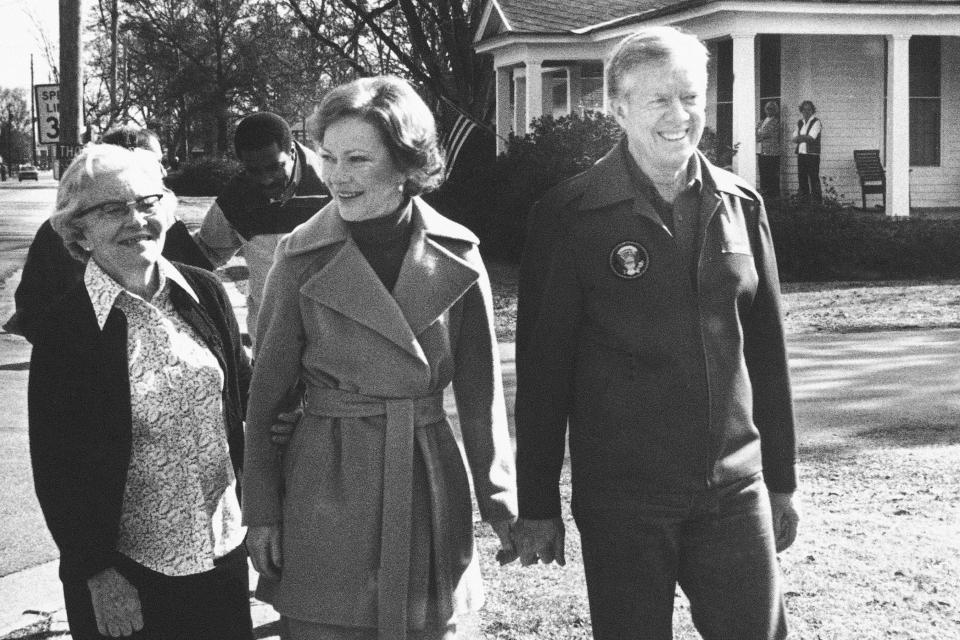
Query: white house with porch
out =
(883, 75)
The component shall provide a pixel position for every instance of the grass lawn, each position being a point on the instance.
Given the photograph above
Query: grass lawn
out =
(878, 554)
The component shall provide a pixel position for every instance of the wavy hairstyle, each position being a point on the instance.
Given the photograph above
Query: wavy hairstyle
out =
(400, 115)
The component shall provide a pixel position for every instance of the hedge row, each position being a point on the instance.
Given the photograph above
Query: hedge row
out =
(820, 244)
(203, 177)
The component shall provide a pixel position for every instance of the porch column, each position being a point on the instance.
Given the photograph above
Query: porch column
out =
(504, 117)
(744, 106)
(574, 88)
(898, 125)
(534, 96)
(606, 99)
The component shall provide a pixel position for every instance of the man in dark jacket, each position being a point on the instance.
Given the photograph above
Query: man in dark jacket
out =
(649, 321)
(278, 188)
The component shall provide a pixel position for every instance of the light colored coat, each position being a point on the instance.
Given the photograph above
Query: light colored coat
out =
(373, 491)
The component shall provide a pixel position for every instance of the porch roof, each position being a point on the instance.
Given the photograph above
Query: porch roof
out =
(577, 16)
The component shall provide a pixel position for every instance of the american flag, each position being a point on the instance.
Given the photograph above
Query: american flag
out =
(454, 139)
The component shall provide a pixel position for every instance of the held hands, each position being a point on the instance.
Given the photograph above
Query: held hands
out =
(539, 541)
(116, 604)
(263, 545)
(785, 519)
(508, 551)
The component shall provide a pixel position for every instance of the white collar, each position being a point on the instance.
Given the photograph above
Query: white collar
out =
(104, 290)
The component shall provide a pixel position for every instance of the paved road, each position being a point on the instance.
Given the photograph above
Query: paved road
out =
(23, 537)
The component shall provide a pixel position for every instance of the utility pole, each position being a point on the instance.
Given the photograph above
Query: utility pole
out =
(33, 118)
(70, 81)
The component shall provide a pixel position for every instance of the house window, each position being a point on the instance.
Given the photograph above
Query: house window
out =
(769, 65)
(591, 91)
(925, 101)
(558, 94)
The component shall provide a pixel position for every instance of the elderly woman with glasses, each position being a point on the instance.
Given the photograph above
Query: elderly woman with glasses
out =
(137, 389)
(375, 305)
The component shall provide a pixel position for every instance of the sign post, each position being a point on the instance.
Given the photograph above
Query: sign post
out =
(46, 97)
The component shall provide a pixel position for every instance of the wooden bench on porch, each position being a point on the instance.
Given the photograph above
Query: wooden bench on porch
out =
(872, 176)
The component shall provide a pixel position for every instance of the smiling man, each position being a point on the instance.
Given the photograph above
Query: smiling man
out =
(649, 326)
(278, 188)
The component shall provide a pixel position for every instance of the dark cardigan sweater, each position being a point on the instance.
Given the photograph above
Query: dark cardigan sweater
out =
(80, 415)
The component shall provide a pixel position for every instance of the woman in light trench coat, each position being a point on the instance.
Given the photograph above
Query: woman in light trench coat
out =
(376, 304)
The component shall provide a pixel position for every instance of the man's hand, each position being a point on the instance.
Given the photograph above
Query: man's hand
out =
(281, 431)
(263, 545)
(539, 540)
(508, 550)
(116, 604)
(785, 519)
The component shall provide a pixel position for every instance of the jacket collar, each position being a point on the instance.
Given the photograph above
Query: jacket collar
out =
(432, 278)
(608, 182)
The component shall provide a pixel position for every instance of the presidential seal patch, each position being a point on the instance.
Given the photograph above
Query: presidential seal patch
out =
(629, 260)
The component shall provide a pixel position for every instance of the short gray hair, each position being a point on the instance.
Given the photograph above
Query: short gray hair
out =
(78, 187)
(652, 45)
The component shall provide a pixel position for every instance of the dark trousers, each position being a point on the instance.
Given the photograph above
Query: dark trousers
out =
(808, 172)
(718, 545)
(214, 605)
(769, 169)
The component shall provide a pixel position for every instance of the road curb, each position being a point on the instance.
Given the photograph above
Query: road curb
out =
(32, 601)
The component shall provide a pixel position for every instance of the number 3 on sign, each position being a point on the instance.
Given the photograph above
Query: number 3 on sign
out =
(50, 130)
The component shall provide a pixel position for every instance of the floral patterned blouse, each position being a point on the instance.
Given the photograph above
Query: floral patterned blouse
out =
(180, 508)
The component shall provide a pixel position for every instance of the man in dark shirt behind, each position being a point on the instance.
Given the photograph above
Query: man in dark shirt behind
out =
(278, 188)
(649, 322)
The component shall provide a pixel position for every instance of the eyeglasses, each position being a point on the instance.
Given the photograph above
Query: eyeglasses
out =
(120, 208)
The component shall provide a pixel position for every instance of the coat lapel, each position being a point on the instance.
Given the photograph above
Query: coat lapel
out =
(610, 183)
(432, 278)
(349, 285)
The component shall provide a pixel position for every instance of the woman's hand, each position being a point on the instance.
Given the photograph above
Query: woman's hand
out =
(263, 545)
(281, 431)
(508, 550)
(116, 604)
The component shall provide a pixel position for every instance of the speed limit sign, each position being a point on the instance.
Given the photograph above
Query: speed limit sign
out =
(47, 99)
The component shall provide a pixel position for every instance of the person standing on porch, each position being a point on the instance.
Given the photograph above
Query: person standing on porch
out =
(807, 138)
(649, 326)
(769, 139)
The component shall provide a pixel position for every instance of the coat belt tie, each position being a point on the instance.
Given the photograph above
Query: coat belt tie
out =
(404, 416)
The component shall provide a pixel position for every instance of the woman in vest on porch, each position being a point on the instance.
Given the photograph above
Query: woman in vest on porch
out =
(807, 138)
(376, 304)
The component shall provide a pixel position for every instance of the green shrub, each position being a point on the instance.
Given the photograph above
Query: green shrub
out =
(203, 177)
(821, 244)
(494, 198)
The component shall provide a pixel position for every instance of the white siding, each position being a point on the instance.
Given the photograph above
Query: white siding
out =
(711, 120)
(940, 186)
(844, 77)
